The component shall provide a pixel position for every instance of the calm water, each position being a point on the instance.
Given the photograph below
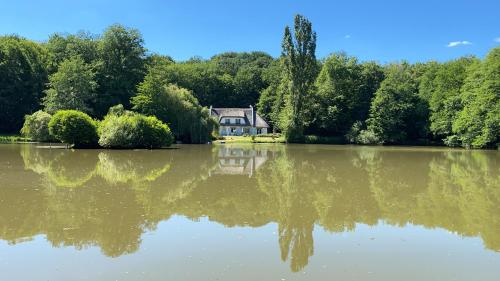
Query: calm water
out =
(263, 212)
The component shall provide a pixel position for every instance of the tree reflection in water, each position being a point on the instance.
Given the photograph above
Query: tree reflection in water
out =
(110, 198)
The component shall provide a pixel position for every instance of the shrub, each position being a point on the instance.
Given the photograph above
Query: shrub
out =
(368, 137)
(133, 130)
(313, 139)
(453, 141)
(36, 126)
(74, 127)
(353, 134)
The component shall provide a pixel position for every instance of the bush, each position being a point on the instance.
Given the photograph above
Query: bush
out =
(368, 137)
(36, 126)
(313, 139)
(74, 127)
(453, 141)
(353, 134)
(133, 130)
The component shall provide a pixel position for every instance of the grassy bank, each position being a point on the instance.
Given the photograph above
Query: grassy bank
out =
(13, 139)
(249, 139)
(279, 139)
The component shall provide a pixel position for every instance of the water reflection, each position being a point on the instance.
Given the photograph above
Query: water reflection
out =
(237, 160)
(110, 198)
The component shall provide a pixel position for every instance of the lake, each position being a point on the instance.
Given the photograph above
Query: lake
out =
(249, 212)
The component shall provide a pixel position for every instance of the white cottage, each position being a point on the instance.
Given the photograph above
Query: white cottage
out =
(239, 121)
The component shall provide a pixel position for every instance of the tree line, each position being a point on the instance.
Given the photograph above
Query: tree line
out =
(454, 103)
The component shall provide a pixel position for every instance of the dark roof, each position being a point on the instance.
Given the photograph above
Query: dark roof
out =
(245, 113)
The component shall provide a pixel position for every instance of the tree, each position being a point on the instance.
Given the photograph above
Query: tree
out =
(443, 94)
(22, 79)
(226, 80)
(71, 87)
(158, 60)
(269, 101)
(62, 47)
(299, 70)
(478, 123)
(344, 90)
(121, 66)
(397, 113)
(175, 106)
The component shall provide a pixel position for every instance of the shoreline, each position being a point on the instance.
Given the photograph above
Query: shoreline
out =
(262, 142)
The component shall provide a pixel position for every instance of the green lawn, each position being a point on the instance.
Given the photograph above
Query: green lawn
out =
(241, 139)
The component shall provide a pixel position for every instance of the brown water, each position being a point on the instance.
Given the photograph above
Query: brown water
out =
(263, 212)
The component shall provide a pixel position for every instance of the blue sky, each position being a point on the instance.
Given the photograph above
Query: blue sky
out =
(371, 30)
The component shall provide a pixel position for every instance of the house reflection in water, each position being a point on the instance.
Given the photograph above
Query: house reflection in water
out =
(240, 161)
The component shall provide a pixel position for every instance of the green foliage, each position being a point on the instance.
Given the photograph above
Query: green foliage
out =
(357, 134)
(443, 94)
(133, 130)
(454, 102)
(13, 139)
(36, 126)
(344, 91)
(175, 106)
(63, 47)
(269, 104)
(71, 87)
(157, 60)
(226, 80)
(478, 124)
(299, 72)
(22, 79)
(367, 137)
(121, 66)
(353, 133)
(397, 113)
(74, 128)
(323, 139)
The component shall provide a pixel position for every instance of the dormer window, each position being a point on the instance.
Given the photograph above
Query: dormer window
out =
(238, 121)
(227, 121)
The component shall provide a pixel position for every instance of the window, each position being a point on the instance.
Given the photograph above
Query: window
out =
(238, 121)
(227, 121)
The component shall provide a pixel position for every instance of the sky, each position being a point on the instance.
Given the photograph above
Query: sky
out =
(383, 31)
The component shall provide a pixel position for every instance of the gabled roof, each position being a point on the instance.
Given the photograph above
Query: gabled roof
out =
(245, 113)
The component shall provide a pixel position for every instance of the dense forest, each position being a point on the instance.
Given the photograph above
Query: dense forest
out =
(454, 103)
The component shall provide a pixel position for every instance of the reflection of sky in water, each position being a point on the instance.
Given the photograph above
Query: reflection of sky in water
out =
(182, 250)
(257, 212)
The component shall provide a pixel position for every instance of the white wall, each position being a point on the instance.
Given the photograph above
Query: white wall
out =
(226, 130)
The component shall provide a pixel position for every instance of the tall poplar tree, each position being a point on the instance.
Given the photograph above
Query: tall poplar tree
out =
(299, 73)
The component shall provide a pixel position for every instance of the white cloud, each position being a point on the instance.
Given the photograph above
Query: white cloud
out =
(348, 36)
(497, 39)
(458, 43)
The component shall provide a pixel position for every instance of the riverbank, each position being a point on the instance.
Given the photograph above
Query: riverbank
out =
(311, 139)
(13, 139)
(250, 139)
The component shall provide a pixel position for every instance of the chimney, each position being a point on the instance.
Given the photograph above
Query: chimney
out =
(252, 122)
